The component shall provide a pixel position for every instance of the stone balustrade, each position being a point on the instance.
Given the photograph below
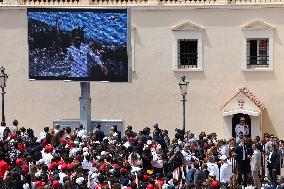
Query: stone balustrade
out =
(133, 2)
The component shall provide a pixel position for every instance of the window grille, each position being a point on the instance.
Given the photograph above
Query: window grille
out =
(187, 53)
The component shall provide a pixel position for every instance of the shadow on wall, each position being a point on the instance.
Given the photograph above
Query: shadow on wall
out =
(267, 126)
(134, 75)
(206, 41)
(276, 37)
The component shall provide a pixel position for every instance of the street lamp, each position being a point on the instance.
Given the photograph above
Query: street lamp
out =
(183, 85)
(3, 81)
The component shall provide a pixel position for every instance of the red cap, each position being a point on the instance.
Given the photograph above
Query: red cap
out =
(150, 186)
(20, 146)
(71, 165)
(54, 165)
(60, 162)
(39, 184)
(43, 141)
(146, 177)
(131, 139)
(102, 167)
(55, 183)
(63, 140)
(48, 148)
(64, 167)
(18, 162)
(71, 143)
(14, 135)
(214, 184)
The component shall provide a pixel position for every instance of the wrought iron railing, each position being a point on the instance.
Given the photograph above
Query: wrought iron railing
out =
(257, 62)
(188, 60)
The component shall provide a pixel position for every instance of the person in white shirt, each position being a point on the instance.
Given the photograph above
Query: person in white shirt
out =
(211, 166)
(56, 128)
(42, 135)
(224, 148)
(186, 153)
(225, 170)
(242, 127)
(46, 155)
(158, 162)
(2, 128)
(82, 132)
(14, 127)
(62, 174)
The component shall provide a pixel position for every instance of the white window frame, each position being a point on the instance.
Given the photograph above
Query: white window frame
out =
(257, 34)
(195, 35)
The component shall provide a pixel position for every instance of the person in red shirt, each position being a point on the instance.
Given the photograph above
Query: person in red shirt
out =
(3, 166)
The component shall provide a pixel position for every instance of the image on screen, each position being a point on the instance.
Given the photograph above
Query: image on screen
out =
(78, 44)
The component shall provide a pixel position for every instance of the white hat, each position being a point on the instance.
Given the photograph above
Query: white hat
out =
(149, 142)
(212, 174)
(80, 180)
(85, 153)
(104, 153)
(85, 149)
(115, 134)
(145, 147)
(38, 174)
(223, 157)
(40, 162)
(26, 186)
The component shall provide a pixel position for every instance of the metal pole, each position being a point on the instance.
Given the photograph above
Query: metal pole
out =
(183, 102)
(3, 115)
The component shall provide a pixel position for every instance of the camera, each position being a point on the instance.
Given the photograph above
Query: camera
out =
(177, 130)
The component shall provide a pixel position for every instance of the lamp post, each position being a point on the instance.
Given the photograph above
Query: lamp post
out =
(3, 81)
(183, 85)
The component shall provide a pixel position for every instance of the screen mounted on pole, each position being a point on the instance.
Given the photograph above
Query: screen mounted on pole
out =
(78, 44)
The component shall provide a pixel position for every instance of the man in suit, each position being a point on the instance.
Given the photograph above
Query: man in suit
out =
(99, 135)
(255, 164)
(242, 157)
(273, 164)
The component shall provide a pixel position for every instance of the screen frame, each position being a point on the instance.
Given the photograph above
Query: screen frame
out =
(126, 10)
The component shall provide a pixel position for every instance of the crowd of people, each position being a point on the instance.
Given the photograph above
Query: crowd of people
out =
(76, 159)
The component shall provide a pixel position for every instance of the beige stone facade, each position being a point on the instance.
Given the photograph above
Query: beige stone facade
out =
(153, 95)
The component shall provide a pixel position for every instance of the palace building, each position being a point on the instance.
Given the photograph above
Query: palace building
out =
(231, 52)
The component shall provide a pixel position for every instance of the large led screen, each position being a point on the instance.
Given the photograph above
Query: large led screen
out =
(78, 44)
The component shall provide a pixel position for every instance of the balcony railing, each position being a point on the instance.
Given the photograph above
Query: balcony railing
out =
(50, 2)
(134, 2)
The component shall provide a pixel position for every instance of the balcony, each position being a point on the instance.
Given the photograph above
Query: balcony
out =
(138, 3)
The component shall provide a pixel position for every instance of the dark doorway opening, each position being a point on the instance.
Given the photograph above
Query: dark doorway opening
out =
(236, 120)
